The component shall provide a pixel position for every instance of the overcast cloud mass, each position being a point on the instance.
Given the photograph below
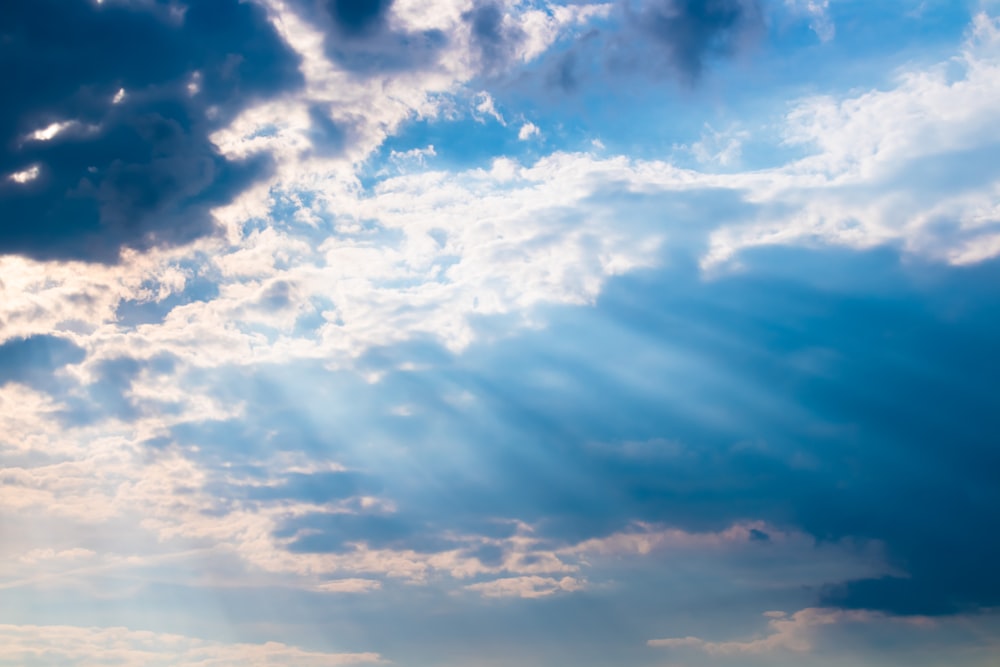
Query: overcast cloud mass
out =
(647, 333)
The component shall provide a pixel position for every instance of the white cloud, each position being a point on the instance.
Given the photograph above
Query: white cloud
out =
(425, 254)
(50, 132)
(527, 587)
(542, 27)
(415, 157)
(422, 253)
(194, 84)
(718, 148)
(795, 633)
(192, 521)
(37, 555)
(484, 106)
(53, 130)
(81, 646)
(351, 585)
(76, 481)
(817, 11)
(646, 539)
(25, 175)
(527, 131)
(907, 166)
(370, 109)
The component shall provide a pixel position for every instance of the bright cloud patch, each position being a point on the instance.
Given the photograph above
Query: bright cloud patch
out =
(886, 160)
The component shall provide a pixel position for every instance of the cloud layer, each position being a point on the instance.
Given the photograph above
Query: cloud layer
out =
(328, 335)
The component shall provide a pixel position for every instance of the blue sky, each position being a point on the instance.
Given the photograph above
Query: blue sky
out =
(441, 333)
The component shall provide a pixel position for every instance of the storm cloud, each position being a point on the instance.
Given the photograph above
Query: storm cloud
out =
(109, 110)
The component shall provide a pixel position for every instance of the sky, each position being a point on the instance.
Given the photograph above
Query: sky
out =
(477, 333)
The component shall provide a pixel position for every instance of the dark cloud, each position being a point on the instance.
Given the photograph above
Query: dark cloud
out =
(686, 33)
(497, 43)
(563, 74)
(135, 169)
(655, 39)
(358, 17)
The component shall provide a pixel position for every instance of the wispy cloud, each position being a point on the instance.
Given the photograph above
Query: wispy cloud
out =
(72, 645)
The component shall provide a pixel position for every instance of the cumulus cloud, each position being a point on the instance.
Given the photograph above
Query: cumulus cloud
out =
(455, 245)
(862, 183)
(423, 253)
(446, 247)
(527, 131)
(905, 166)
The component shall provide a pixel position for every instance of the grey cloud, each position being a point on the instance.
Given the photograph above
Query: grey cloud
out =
(684, 34)
(143, 86)
(358, 17)
(657, 39)
(497, 43)
(360, 38)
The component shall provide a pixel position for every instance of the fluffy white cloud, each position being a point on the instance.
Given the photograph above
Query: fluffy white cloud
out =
(422, 254)
(910, 165)
(527, 131)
